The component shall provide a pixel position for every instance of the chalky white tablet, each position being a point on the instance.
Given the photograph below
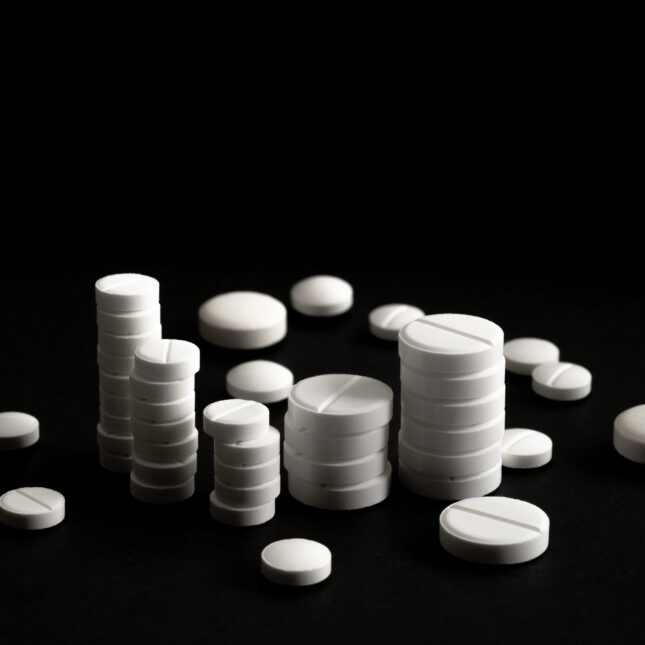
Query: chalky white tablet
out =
(340, 404)
(342, 498)
(232, 420)
(170, 432)
(254, 451)
(451, 344)
(251, 475)
(150, 494)
(156, 391)
(164, 473)
(240, 515)
(117, 406)
(166, 359)
(125, 344)
(322, 295)
(629, 434)
(243, 320)
(524, 448)
(18, 430)
(523, 355)
(248, 495)
(113, 384)
(167, 451)
(115, 463)
(113, 363)
(126, 292)
(133, 322)
(114, 444)
(32, 508)
(263, 381)
(387, 320)
(115, 425)
(296, 562)
(494, 530)
(163, 411)
(561, 381)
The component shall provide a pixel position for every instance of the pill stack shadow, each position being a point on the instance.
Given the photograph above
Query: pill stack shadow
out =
(452, 406)
(165, 439)
(335, 448)
(247, 462)
(128, 315)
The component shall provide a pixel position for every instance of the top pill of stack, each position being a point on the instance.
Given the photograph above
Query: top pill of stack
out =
(166, 359)
(126, 292)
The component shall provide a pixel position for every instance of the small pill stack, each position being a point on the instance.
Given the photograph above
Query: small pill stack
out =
(247, 462)
(128, 315)
(165, 440)
(452, 406)
(336, 436)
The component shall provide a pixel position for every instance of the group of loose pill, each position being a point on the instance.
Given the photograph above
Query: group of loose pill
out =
(452, 441)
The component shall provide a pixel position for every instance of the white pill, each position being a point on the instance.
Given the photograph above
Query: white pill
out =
(167, 451)
(427, 437)
(296, 562)
(451, 344)
(251, 475)
(523, 448)
(133, 322)
(114, 444)
(163, 411)
(254, 451)
(561, 381)
(523, 355)
(166, 360)
(18, 430)
(113, 363)
(629, 434)
(124, 345)
(387, 320)
(494, 530)
(322, 295)
(150, 494)
(248, 495)
(473, 385)
(445, 412)
(340, 404)
(159, 391)
(243, 320)
(263, 381)
(451, 488)
(170, 432)
(164, 473)
(126, 292)
(112, 384)
(240, 515)
(117, 406)
(342, 498)
(115, 463)
(32, 508)
(115, 425)
(234, 420)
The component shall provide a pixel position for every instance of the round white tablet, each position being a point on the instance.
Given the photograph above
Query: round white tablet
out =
(163, 432)
(494, 530)
(253, 451)
(296, 562)
(167, 451)
(240, 515)
(523, 355)
(18, 430)
(164, 473)
(322, 295)
(163, 411)
(125, 344)
(32, 508)
(243, 320)
(133, 322)
(387, 320)
(115, 463)
(166, 359)
(113, 363)
(161, 494)
(117, 406)
(159, 391)
(248, 495)
(234, 420)
(126, 292)
(114, 444)
(629, 433)
(263, 381)
(113, 384)
(561, 381)
(115, 425)
(252, 475)
(523, 448)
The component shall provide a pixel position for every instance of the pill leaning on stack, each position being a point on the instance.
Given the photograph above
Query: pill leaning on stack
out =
(452, 406)
(165, 440)
(335, 448)
(127, 315)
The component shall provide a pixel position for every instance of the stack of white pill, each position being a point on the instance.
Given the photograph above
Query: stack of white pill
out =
(247, 462)
(165, 440)
(336, 434)
(452, 406)
(128, 315)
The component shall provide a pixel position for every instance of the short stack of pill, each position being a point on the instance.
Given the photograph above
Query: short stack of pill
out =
(247, 462)
(165, 440)
(128, 315)
(336, 436)
(452, 406)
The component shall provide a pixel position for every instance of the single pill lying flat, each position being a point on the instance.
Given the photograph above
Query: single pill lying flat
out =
(234, 420)
(322, 295)
(32, 508)
(126, 292)
(629, 434)
(18, 430)
(296, 562)
(561, 381)
(166, 359)
(523, 355)
(263, 381)
(387, 320)
(240, 515)
(523, 448)
(494, 530)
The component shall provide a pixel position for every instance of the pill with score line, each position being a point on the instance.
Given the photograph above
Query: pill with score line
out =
(561, 381)
(386, 321)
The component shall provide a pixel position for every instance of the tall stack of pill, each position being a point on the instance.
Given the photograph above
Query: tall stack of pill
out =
(128, 315)
(336, 434)
(165, 440)
(452, 406)
(247, 462)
